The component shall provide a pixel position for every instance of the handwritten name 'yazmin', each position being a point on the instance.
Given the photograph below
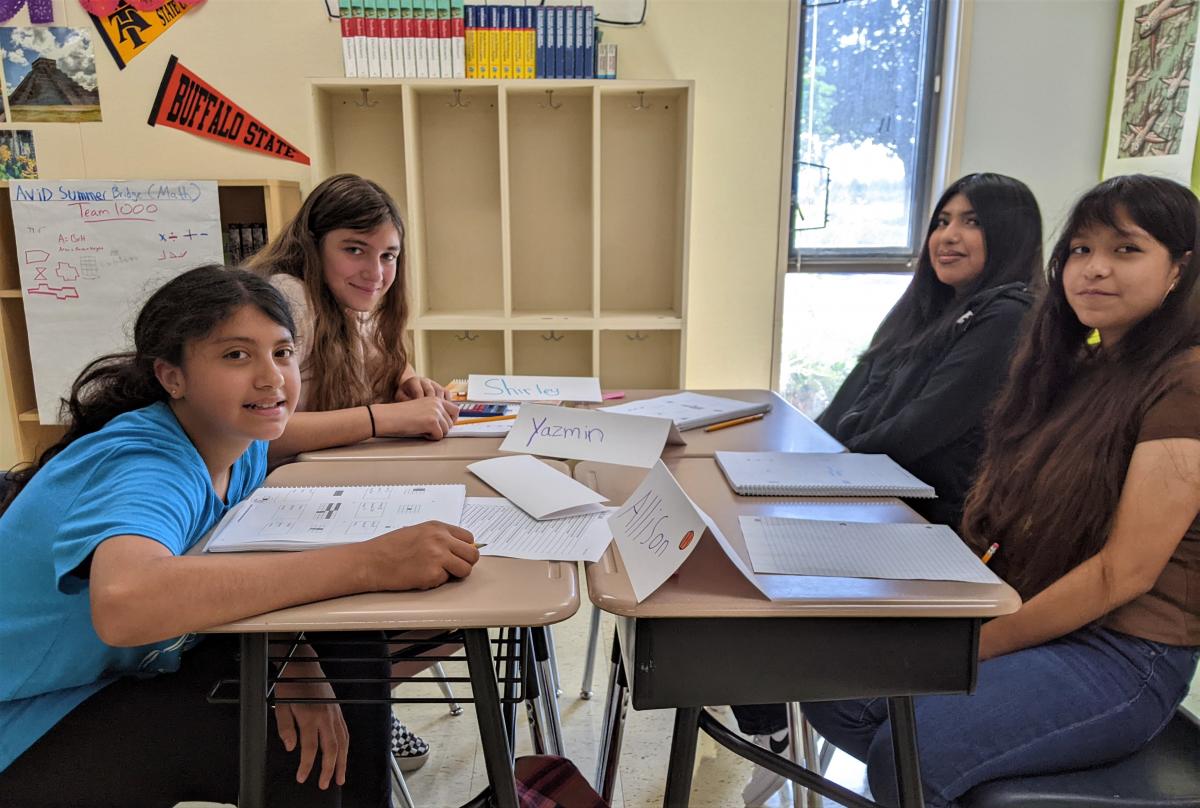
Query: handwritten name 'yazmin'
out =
(502, 388)
(545, 430)
(642, 520)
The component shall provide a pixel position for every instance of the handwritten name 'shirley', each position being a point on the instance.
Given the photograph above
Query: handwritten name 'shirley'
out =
(540, 428)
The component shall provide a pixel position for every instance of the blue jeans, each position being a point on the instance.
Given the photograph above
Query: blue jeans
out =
(1090, 697)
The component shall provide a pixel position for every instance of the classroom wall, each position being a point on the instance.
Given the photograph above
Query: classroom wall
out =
(1035, 111)
(1037, 96)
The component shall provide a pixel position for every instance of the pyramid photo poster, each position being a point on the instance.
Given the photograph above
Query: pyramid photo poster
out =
(50, 74)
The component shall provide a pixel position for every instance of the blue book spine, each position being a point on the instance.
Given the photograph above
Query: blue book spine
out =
(569, 49)
(560, 33)
(589, 43)
(580, 43)
(545, 42)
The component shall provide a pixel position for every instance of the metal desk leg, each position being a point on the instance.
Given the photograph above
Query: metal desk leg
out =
(512, 668)
(589, 662)
(683, 757)
(797, 752)
(496, 751)
(535, 706)
(543, 651)
(904, 747)
(557, 689)
(252, 772)
(613, 727)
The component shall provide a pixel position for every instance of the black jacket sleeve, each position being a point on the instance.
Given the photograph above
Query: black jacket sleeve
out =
(958, 393)
(846, 395)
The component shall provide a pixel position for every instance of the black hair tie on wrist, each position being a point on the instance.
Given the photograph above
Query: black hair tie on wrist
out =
(372, 417)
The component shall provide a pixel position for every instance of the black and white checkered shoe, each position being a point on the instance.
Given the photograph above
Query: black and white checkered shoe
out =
(410, 750)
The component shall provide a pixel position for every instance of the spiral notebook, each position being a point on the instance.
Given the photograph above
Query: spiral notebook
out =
(801, 474)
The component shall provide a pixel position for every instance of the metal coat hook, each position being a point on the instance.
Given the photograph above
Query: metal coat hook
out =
(641, 104)
(550, 101)
(466, 336)
(637, 336)
(366, 102)
(551, 336)
(458, 100)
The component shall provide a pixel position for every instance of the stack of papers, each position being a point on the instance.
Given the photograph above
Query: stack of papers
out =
(507, 531)
(466, 428)
(691, 410)
(800, 474)
(860, 550)
(311, 517)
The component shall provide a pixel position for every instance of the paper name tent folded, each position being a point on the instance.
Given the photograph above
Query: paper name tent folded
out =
(540, 491)
(311, 517)
(658, 529)
(579, 434)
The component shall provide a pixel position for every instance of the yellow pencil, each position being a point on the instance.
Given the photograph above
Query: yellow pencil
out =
(473, 421)
(479, 546)
(991, 551)
(734, 422)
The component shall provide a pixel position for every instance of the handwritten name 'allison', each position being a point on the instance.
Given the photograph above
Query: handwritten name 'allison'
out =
(541, 428)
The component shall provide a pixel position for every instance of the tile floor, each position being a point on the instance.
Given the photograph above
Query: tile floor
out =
(455, 770)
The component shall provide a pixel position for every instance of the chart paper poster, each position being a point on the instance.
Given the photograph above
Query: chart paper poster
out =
(188, 103)
(128, 31)
(90, 253)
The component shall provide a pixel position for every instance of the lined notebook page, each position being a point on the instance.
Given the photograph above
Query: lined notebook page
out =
(691, 410)
(860, 550)
(817, 475)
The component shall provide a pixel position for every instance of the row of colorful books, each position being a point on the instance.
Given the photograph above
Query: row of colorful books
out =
(441, 39)
(543, 42)
(403, 39)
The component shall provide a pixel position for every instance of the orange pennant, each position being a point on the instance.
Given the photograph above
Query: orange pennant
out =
(188, 103)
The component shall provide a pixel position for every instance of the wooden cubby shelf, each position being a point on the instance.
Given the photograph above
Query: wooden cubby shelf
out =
(546, 220)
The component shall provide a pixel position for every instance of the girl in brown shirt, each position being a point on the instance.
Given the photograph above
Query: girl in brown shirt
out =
(1090, 483)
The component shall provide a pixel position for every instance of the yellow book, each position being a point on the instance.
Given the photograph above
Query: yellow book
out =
(493, 36)
(530, 35)
(469, 41)
(506, 42)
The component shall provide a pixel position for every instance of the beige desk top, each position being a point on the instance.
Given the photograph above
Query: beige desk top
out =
(783, 429)
(411, 449)
(498, 592)
(708, 586)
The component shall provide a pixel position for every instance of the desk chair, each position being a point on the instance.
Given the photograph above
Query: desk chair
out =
(1165, 774)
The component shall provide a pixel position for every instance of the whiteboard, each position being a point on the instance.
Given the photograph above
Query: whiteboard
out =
(90, 252)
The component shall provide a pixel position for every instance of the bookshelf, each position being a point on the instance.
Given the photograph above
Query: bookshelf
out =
(22, 437)
(547, 219)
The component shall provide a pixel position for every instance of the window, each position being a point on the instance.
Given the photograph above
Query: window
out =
(864, 124)
(865, 114)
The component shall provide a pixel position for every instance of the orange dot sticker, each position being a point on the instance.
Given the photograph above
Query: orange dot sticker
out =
(691, 534)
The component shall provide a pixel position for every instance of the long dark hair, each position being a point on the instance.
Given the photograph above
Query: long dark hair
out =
(1012, 237)
(334, 363)
(185, 308)
(1064, 428)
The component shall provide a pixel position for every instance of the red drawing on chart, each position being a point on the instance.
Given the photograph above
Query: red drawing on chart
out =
(41, 274)
(167, 255)
(66, 271)
(60, 293)
(36, 256)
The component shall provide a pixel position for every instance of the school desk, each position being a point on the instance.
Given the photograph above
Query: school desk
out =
(707, 637)
(411, 449)
(783, 429)
(498, 592)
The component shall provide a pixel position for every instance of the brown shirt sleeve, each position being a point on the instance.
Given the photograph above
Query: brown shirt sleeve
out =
(1176, 414)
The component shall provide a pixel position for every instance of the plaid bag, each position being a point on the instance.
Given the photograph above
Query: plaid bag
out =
(549, 781)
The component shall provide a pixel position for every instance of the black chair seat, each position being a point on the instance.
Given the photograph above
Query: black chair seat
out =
(1165, 774)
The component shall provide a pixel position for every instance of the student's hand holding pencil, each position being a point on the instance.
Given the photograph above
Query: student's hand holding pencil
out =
(428, 417)
(419, 557)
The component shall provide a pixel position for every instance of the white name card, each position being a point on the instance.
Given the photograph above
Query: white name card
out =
(657, 530)
(481, 387)
(537, 489)
(577, 434)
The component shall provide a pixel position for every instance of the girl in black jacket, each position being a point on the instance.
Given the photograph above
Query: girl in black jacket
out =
(920, 392)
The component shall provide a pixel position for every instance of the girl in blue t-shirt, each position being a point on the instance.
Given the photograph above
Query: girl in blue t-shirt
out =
(97, 596)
